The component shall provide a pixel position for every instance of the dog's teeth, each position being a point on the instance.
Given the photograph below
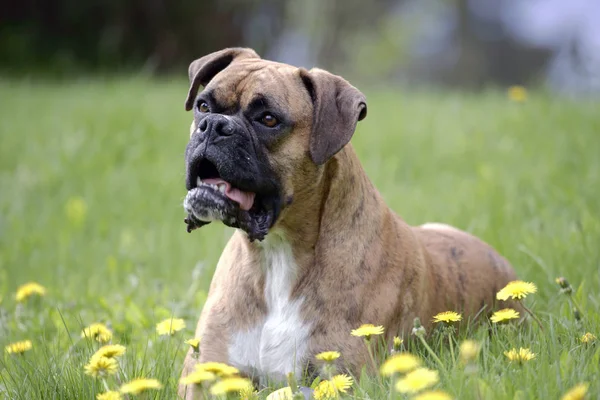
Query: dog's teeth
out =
(198, 181)
(222, 187)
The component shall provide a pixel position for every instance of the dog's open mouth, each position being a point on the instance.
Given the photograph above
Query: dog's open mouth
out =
(213, 198)
(244, 199)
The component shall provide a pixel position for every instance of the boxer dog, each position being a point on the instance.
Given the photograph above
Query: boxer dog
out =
(316, 252)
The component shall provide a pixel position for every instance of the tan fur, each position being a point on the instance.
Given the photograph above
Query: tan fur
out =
(358, 261)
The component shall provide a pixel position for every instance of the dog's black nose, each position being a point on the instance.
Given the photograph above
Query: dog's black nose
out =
(217, 123)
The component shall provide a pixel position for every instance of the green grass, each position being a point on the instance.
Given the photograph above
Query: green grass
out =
(524, 177)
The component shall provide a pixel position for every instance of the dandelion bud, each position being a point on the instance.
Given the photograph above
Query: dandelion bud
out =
(397, 344)
(567, 291)
(194, 344)
(564, 285)
(299, 396)
(418, 329)
(293, 384)
(576, 314)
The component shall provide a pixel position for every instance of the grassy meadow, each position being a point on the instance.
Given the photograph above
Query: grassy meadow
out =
(92, 181)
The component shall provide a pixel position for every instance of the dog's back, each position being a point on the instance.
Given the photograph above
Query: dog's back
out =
(472, 270)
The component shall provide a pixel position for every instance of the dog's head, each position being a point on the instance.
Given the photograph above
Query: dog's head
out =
(261, 131)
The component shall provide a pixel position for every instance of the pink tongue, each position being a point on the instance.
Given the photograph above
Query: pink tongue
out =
(244, 199)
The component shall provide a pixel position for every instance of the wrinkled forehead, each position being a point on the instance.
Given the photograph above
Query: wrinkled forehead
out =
(248, 81)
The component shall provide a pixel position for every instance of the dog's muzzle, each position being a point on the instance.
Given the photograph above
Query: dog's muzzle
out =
(225, 181)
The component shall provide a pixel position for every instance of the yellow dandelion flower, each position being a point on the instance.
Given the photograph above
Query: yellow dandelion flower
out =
(325, 391)
(447, 316)
(110, 351)
(417, 380)
(517, 93)
(520, 355)
(19, 347)
(328, 356)
(228, 385)
(433, 395)
(248, 393)
(516, 290)
(469, 350)
(29, 289)
(197, 377)
(100, 367)
(170, 326)
(588, 338)
(140, 385)
(330, 389)
(397, 344)
(217, 368)
(400, 363)
(98, 332)
(110, 395)
(341, 382)
(577, 392)
(504, 315)
(281, 394)
(367, 330)
(194, 344)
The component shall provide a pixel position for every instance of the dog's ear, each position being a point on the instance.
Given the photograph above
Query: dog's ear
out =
(338, 106)
(204, 69)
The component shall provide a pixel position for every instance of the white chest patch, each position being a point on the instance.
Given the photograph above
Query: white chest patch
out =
(278, 344)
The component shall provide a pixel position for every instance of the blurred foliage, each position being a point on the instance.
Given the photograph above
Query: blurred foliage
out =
(67, 35)
(380, 41)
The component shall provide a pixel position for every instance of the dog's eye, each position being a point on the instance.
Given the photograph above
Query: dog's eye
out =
(269, 120)
(203, 107)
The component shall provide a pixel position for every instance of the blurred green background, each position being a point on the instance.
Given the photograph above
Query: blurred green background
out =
(93, 180)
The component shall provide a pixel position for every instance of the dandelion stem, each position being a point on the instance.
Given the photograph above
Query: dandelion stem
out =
(533, 316)
(475, 383)
(368, 344)
(291, 378)
(432, 353)
(451, 340)
(574, 304)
